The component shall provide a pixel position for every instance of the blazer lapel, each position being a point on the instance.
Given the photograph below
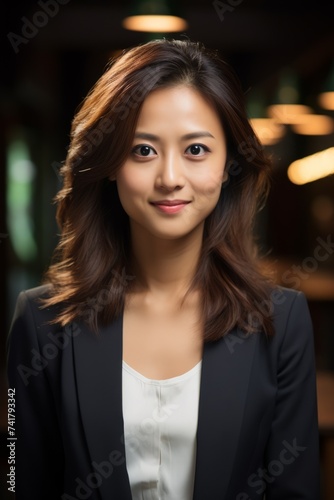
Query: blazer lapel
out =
(98, 367)
(226, 368)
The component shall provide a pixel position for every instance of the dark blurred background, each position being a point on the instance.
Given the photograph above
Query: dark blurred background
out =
(283, 51)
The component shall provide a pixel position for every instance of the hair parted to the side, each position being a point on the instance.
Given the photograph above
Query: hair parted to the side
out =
(93, 256)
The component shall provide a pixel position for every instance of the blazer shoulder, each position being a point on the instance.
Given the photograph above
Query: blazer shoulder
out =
(29, 307)
(36, 293)
(284, 299)
(290, 310)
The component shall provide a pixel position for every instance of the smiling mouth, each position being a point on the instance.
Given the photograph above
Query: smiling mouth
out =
(170, 206)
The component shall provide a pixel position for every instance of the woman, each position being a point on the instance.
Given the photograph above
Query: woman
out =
(156, 362)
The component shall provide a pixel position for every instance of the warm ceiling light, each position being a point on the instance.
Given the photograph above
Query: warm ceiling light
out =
(314, 125)
(155, 23)
(326, 97)
(326, 100)
(268, 130)
(155, 16)
(288, 113)
(312, 168)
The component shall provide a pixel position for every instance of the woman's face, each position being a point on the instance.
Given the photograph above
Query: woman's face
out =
(173, 176)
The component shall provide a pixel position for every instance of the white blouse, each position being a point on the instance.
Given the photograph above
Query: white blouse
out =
(160, 425)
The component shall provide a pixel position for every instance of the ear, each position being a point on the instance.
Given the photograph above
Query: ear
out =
(225, 176)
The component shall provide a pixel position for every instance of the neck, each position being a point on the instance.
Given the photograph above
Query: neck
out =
(164, 266)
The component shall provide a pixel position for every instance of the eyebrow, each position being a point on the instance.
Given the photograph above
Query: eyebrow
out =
(186, 137)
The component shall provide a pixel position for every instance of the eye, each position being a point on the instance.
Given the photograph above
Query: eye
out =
(197, 150)
(143, 150)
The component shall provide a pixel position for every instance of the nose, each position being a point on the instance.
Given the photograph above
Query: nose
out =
(170, 174)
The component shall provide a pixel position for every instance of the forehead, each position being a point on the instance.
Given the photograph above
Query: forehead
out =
(181, 102)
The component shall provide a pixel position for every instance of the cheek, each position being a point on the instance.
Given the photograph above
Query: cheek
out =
(131, 188)
(128, 183)
(209, 185)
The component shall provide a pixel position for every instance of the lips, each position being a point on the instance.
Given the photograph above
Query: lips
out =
(170, 203)
(170, 206)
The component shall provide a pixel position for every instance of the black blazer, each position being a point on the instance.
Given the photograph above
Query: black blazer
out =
(257, 431)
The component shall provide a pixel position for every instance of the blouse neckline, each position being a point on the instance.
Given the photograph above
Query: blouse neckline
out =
(168, 381)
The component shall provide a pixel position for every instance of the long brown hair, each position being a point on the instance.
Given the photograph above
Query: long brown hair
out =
(91, 269)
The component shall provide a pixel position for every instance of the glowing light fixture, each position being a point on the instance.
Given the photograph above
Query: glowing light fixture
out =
(326, 98)
(312, 168)
(314, 125)
(20, 175)
(155, 16)
(287, 108)
(301, 118)
(289, 114)
(268, 130)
